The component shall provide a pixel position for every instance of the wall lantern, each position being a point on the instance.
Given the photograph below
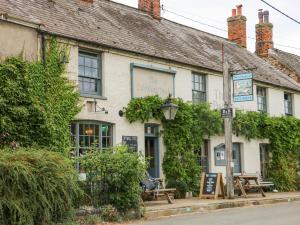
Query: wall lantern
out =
(169, 109)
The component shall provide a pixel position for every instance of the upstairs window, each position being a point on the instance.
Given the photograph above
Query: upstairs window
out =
(288, 103)
(89, 74)
(261, 99)
(199, 88)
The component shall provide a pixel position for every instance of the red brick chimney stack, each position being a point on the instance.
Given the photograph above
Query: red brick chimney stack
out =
(237, 27)
(152, 7)
(264, 34)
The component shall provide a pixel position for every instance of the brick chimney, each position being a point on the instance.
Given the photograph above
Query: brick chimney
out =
(86, 2)
(237, 27)
(152, 7)
(264, 34)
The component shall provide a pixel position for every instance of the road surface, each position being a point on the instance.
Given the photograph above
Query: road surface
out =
(281, 214)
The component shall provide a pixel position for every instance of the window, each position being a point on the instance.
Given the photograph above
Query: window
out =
(199, 88)
(261, 99)
(89, 74)
(288, 103)
(87, 135)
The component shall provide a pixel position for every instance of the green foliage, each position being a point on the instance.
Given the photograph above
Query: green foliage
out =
(37, 102)
(251, 126)
(183, 137)
(283, 134)
(36, 187)
(143, 109)
(181, 188)
(113, 178)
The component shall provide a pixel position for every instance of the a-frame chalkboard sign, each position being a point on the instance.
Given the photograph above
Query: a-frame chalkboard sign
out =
(212, 186)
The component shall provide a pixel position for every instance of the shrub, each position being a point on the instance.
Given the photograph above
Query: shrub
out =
(37, 102)
(181, 188)
(113, 178)
(36, 187)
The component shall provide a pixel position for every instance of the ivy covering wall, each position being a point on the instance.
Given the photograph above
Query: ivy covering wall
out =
(193, 123)
(183, 137)
(283, 134)
(37, 102)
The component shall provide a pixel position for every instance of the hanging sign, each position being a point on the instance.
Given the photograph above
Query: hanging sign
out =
(242, 87)
(212, 186)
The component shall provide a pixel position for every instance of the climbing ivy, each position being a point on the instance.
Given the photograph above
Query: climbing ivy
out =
(283, 134)
(183, 137)
(37, 102)
(193, 123)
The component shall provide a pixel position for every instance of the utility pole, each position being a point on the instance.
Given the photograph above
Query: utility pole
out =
(228, 127)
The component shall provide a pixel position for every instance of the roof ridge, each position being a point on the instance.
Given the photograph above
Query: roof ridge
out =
(279, 50)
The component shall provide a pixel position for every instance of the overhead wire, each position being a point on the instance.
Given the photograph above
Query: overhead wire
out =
(286, 15)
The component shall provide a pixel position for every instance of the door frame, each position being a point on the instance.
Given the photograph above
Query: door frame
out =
(240, 155)
(155, 137)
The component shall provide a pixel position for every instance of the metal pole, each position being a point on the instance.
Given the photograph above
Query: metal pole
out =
(228, 130)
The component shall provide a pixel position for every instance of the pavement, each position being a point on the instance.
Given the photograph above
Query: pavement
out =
(279, 214)
(158, 209)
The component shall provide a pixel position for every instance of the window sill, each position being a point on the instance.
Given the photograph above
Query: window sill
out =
(289, 114)
(93, 96)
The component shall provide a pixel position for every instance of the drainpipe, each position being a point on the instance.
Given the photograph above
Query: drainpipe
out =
(43, 48)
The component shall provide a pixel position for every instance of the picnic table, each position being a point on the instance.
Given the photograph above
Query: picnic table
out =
(245, 182)
(161, 191)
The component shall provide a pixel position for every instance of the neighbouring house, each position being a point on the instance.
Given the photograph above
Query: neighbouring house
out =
(286, 62)
(119, 52)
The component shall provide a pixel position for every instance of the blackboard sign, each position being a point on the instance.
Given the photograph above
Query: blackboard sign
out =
(131, 142)
(211, 185)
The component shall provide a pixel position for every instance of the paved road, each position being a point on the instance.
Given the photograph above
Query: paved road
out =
(283, 214)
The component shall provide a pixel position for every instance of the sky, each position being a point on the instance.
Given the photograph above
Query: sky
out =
(215, 13)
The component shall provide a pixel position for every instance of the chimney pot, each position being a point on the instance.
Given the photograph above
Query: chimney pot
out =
(260, 16)
(239, 9)
(233, 12)
(266, 16)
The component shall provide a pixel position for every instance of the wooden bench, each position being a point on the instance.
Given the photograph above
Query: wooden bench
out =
(160, 191)
(266, 184)
(246, 182)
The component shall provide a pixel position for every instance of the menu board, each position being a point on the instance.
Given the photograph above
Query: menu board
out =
(211, 185)
(131, 142)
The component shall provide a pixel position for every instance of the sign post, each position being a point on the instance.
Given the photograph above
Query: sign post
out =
(228, 130)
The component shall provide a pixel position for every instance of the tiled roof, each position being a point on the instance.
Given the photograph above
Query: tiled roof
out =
(118, 26)
(288, 59)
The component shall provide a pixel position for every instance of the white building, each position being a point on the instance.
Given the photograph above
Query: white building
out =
(119, 52)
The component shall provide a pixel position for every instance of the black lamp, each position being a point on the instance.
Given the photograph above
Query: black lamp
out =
(169, 109)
